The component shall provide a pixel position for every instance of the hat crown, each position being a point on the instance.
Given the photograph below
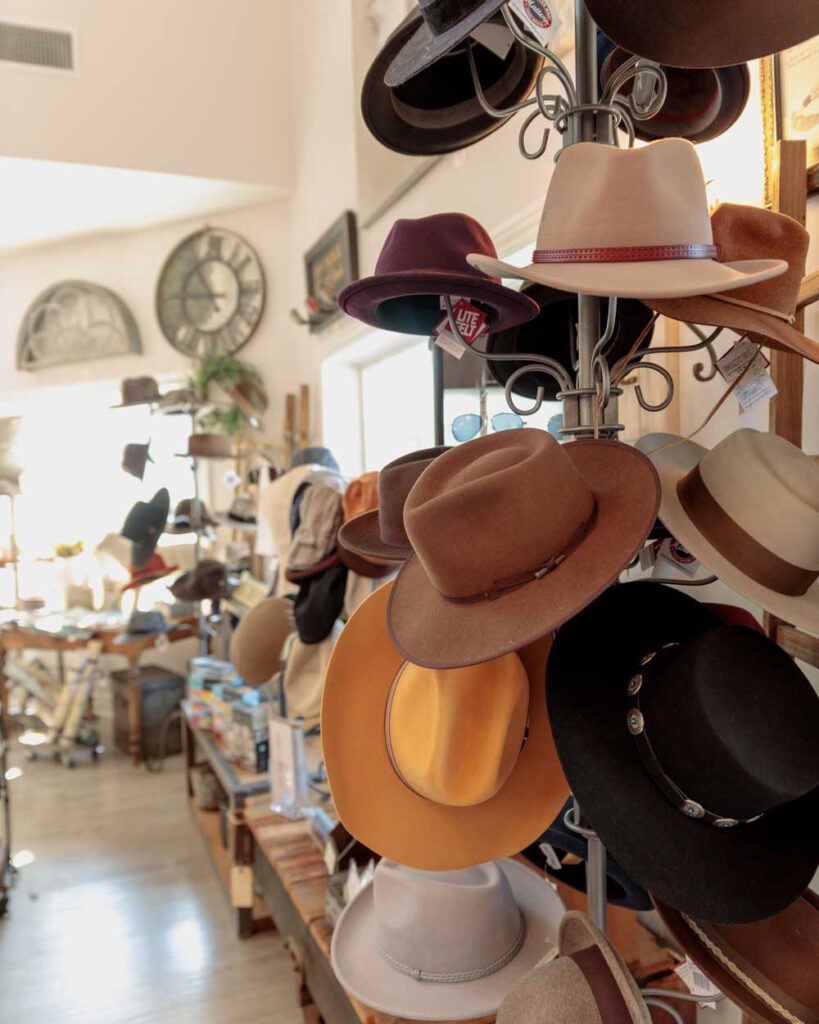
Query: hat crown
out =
(605, 197)
(455, 735)
(732, 721)
(437, 243)
(770, 488)
(361, 495)
(751, 233)
(445, 922)
(496, 487)
(395, 482)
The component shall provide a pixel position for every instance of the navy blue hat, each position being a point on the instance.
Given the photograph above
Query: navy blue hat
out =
(316, 455)
(559, 846)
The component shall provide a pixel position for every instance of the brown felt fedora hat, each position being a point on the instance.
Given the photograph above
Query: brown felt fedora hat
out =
(764, 311)
(513, 534)
(380, 532)
(207, 446)
(749, 510)
(361, 497)
(257, 644)
(705, 33)
(437, 110)
(588, 983)
(137, 391)
(438, 770)
(631, 223)
(769, 968)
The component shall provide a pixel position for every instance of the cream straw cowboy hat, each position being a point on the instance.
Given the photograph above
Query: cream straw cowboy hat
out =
(632, 223)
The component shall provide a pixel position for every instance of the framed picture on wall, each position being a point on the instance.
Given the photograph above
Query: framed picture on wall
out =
(329, 265)
(790, 106)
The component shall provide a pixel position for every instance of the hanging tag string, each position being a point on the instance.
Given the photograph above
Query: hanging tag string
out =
(789, 318)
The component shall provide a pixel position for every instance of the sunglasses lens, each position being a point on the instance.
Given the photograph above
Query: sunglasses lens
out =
(465, 427)
(506, 421)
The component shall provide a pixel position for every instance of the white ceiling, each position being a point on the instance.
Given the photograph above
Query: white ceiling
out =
(43, 201)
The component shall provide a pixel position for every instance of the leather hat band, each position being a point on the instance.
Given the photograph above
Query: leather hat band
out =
(627, 254)
(610, 1002)
(739, 547)
(442, 15)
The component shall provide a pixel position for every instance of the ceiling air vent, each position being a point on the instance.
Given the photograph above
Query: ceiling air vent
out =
(34, 47)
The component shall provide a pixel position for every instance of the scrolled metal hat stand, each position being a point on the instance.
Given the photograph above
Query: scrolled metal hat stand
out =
(589, 399)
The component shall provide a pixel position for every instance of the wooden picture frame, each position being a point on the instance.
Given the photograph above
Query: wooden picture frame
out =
(330, 264)
(789, 85)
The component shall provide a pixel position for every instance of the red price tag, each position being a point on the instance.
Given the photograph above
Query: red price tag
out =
(471, 321)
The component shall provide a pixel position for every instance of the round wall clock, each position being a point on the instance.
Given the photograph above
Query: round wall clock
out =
(210, 294)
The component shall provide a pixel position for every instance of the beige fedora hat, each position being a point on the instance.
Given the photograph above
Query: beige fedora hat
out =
(749, 510)
(445, 945)
(257, 644)
(632, 223)
(588, 983)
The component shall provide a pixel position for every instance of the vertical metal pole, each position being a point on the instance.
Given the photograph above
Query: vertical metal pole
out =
(438, 391)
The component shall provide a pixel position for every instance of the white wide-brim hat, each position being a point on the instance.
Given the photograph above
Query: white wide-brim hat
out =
(370, 979)
(674, 458)
(632, 223)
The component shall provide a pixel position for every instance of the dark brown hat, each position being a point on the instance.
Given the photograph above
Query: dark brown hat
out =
(135, 457)
(208, 581)
(208, 446)
(185, 517)
(512, 535)
(380, 532)
(769, 968)
(437, 110)
(705, 33)
(360, 497)
(137, 391)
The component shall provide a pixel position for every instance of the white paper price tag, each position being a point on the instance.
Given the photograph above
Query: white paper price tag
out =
(496, 38)
(673, 553)
(552, 858)
(697, 983)
(756, 385)
(539, 17)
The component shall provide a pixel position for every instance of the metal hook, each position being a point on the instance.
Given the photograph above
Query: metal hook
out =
(561, 71)
(532, 154)
(637, 363)
(496, 112)
(550, 367)
(638, 68)
(662, 1005)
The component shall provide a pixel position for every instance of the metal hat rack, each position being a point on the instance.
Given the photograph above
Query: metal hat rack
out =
(589, 398)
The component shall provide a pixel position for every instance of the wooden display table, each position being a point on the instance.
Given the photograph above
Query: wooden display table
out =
(233, 862)
(14, 638)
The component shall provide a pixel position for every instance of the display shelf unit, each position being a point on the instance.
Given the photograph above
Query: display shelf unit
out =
(232, 862)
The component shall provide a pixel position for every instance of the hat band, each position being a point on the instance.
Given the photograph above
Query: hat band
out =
(455, 977)
(636, 724)
(597, 972)
(750, 978)
(735, 544)
(442, 15)
(628, 254)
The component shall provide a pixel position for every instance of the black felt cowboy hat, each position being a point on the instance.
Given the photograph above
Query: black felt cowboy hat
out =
(144, 524)
(705, 33)
(691, 747)
(553, 333)
(562, 854)
(701, 103)
(437, 110)
(423, 259)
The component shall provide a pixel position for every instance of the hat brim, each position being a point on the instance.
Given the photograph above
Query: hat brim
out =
(363, 566)
(371, 980)
(673, 458)
(448, 129)
(151, 578)
(578, 933)
(730, 980)
(375, 804)
(733, 875)
(362, 536)
(362, 298)
(430, 630)
(639, 280)
(424, 47)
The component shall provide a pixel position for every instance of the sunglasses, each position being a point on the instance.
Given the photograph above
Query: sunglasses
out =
(469, 425)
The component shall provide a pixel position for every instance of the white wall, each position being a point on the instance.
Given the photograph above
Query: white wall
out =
(188, 87)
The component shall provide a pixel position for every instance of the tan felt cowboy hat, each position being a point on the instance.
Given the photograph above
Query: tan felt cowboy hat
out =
(632, 223)
(380, 532)
(445, 945)
(588, 983)
(438, 770)
(770, 968)
(749, 510)
(257, 644)
(765, 311)
(514, 534)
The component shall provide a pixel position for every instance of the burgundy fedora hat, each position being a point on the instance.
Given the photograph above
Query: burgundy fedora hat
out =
(422, 260)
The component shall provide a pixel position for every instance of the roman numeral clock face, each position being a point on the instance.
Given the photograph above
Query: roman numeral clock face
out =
(210, 294)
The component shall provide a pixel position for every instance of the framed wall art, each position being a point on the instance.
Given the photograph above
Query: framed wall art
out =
(329, 265)
(790, 106)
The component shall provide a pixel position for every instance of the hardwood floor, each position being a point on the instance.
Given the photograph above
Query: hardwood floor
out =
(120, 918)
